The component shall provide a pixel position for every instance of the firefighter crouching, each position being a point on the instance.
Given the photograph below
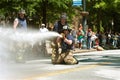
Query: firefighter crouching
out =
(65, 43)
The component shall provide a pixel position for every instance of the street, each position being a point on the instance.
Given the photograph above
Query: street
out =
(97, 65)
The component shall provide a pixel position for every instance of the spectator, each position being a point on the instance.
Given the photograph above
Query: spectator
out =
(74, 34)
(94, 39)
(89, 41)
(115, 40)
(43, 28)
(80, 35)
(118, 45)
(100, 38)
(103, 40)
(109, 38)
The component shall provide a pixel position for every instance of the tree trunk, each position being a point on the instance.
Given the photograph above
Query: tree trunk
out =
(44, 9)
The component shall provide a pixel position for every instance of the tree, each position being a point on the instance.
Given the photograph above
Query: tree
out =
(104, 11)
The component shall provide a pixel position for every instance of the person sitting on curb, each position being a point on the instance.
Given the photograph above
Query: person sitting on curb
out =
(97, 47)
(80, 36)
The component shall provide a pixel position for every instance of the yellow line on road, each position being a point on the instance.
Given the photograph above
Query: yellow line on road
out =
(66, 71)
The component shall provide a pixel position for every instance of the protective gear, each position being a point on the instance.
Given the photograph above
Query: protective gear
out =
(55, 52)
(58, 26)
(62, 35)
(66, 27)
(19, 52)
(63, 16)
(62, 58)
(22, 11)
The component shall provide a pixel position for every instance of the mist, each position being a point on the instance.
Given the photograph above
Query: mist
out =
(12, 41)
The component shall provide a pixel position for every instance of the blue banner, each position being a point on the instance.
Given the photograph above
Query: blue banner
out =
(77, 2)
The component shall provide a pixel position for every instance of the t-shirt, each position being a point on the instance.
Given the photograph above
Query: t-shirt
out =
(43, 29)
(80, 34)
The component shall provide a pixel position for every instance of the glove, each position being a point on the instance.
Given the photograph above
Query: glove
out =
(63, 35)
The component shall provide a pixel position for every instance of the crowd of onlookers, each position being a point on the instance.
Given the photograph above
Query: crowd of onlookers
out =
(92, 39)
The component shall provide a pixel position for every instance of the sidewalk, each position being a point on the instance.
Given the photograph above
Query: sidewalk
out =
(77, 50)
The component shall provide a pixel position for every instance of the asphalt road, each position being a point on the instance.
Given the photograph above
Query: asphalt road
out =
(97, 65)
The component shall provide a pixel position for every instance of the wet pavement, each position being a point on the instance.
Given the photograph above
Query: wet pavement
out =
(97, 65)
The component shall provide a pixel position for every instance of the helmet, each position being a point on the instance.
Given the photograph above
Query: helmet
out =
(63, 17)
(22, 11)
(66, 27)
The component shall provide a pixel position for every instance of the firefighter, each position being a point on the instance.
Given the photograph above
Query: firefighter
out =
(20, 21)
(20, 25)
(65, 43)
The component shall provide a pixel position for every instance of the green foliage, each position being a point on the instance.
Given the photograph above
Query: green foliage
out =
(34, 8)
(102, 4)
(94, 28)
(101, 12)
(101, 27)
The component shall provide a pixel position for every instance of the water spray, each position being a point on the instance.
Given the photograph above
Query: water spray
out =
(18, 41)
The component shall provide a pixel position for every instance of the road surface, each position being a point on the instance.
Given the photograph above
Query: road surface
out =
(97, 65)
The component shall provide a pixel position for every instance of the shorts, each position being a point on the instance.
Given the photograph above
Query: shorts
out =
(80, 40)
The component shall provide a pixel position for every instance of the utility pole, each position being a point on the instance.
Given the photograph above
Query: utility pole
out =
(84, 16)
(84, 13)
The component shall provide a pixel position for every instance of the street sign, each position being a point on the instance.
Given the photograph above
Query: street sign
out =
(77, 2)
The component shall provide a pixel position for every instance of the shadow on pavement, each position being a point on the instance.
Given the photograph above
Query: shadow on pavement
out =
(114, 61)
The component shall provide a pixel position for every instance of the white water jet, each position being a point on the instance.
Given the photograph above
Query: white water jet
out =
(9, 37)
(12, 42)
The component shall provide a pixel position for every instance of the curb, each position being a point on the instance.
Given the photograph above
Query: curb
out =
(83, 50)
